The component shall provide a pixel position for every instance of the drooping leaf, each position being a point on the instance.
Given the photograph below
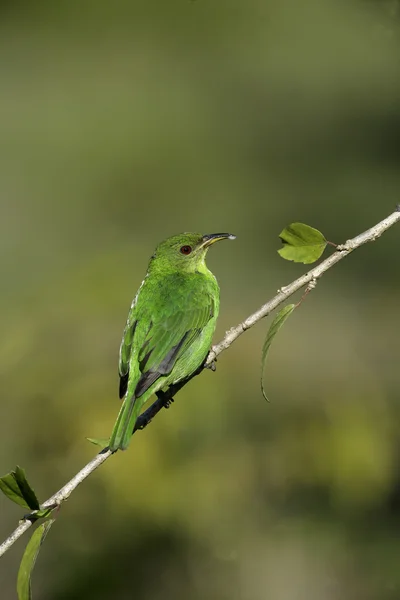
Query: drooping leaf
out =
(275, 326)
(15, 486)
(302, 243)
(28, 560)
(102, 442)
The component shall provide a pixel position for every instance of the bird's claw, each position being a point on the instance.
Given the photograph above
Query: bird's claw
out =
(166, 402)
(212, 366)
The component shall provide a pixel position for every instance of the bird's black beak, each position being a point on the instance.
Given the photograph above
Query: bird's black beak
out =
(211, 238)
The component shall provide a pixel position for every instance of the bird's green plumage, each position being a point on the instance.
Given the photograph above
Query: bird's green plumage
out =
(169, 328)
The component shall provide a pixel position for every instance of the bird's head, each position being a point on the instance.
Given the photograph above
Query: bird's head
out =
(186, 251)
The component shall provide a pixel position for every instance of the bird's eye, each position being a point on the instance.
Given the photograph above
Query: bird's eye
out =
(186, 250)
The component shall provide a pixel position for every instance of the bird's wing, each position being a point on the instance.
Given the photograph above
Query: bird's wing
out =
(168, 339)
(164, 342)
(126, 348)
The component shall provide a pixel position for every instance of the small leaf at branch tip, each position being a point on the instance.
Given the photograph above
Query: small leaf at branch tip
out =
(302, 243)
(28, 561)
(102, 442)
(275, 326)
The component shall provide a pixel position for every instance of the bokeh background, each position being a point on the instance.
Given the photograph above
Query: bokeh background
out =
(123, 122)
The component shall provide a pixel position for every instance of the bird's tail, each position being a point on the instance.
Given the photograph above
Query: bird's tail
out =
(123, 428)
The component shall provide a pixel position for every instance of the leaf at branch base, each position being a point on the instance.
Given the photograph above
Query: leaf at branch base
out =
(40, 514)
(28, 560)
(15, 486)
(275, 326)
(302, 243)
(102, 442)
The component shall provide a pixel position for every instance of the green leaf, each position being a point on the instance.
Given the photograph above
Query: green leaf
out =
(102, 442)
(302, 243)
(28, 560)
(275, 326)
(44, 512)
(27, 492)
(39, 514)
(15, 486)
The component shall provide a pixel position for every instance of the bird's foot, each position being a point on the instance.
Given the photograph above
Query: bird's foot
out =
(212, 366)
(166, 401)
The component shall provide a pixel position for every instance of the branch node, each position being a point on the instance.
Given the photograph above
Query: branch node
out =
(312, 284)
(346, 247)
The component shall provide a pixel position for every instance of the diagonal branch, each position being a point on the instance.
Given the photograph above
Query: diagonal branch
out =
(163, 400)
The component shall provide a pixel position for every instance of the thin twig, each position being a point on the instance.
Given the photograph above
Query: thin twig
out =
(163, 400)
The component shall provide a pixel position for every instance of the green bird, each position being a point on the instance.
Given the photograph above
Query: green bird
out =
(170, 325)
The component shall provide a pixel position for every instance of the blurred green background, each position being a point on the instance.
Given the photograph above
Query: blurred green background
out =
(121, 123)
